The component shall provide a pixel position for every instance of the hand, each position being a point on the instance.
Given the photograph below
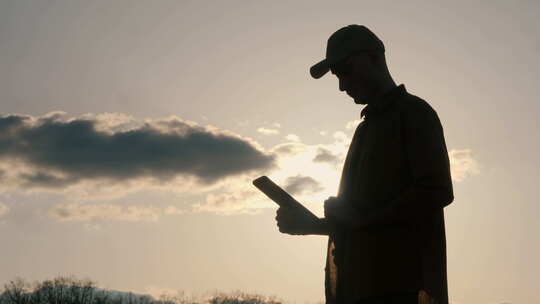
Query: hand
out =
(337, 210)
(333, 207)
(295, 221)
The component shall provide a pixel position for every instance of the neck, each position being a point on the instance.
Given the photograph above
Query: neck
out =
(381, 89)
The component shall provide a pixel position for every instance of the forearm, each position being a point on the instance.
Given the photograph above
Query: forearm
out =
(411, 206)
(419, 200)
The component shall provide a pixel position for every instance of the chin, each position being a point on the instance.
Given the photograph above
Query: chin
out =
(358, 101)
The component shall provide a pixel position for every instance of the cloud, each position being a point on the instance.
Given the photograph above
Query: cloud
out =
(340, 137)
(289, 149)
(109, 122)
(236, 197)
(325, 156)
(109, 212)
(3, 209)
(53, 152)
(172, 210)
(292, 137)
(462, 164)
(266, 131)
(298, 184)
(111, 154)
(228, 202)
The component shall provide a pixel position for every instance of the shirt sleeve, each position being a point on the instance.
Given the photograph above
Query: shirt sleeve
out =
(427, 161)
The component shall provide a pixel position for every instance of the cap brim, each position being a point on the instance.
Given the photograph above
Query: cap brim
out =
(318, 70)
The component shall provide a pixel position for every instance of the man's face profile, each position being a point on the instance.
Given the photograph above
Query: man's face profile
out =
(355, 74)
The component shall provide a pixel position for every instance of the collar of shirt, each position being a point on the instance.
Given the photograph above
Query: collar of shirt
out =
(380, 104)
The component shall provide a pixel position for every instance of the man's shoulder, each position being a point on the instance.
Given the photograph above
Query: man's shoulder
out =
(414, 107)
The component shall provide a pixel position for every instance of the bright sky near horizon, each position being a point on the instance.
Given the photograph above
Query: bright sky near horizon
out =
(131, 131)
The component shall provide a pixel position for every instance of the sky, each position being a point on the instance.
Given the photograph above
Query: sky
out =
(131, 131)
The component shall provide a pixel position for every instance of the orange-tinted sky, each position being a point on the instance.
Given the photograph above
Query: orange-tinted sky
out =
(195, 84)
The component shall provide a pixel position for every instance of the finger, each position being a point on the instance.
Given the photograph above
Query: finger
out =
(283, 210)
(286, 223)
(282, 220)
(284, 228)
(329, 208)
(283, 214)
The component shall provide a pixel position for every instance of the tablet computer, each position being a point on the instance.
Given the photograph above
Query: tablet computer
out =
(278, 195)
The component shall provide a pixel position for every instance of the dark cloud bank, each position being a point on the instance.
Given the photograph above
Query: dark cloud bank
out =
(76, 150)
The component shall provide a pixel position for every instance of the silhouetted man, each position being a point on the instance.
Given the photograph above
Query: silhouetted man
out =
(386, 226)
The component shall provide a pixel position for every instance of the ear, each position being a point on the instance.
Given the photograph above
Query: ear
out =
(377, 58)
(361, 59)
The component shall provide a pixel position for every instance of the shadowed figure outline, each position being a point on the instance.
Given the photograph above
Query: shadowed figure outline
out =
(385, 227)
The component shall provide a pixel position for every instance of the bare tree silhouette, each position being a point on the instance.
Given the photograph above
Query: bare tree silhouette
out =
(70, 290)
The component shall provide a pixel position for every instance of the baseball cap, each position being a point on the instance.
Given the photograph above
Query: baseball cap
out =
(344, 42)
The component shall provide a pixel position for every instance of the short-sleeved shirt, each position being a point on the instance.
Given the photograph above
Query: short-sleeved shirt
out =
(397, 160)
